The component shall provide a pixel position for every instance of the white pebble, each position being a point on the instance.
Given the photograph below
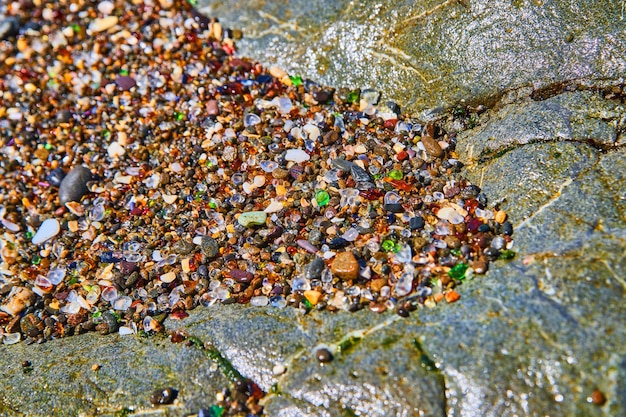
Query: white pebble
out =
(122, 303)
(48, 229)
(296, 155)
(10, 225)
(312, 131)
(115, 150)
(275, 206)
(277, 72)
(259, 301)
(259, 181)
(11, 338)
(169, 277)
(169, 198)
(279, 369)
(125, 331)
(100, 25)
(106, 7)
(451, 215)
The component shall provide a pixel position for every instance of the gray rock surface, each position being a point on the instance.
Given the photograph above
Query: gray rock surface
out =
(426, 54)
(62, 382)
(543, 334)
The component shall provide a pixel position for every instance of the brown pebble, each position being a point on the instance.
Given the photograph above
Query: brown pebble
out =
(212, 108)
(323, 355)
(480, 267)
(432, 146)
(95, 367)
(345, 266)
(452, 296)
(18, 300)
(500, 216)
(42, 153)
(378, 307)
(452, 241)
(598, 397)
(330, 137)
(280, 173)
(377, 284)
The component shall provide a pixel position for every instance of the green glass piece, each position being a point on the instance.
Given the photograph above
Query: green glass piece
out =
(96, 314)
(507, 254)
(395, 174)
(353, 96)
(29, 235)
(455, 252)
(322, 197)
(106, 134)
(307, 304)
(296, 80)
(396, 247)
(192, 2)
(47, 146)
(212, 204)
(458, 271)
(124, 72)
(216, 411)
(76, 28)
(388, 245)
(36, 260)
(179, 116)
(72, 281)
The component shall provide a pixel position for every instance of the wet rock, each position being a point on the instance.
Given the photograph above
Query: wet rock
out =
(74, 185)
(580, 116)
(430, 55)
(117, 388)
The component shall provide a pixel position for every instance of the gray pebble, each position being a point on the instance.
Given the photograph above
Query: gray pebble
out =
(209, 247)
(9, 26)
(74, 185)
(342, 164)
(313, 270)
(182, 247)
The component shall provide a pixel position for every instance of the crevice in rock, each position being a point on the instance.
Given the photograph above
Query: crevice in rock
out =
(528, 221)
(602, 148)
(343, 346)
(250, 387)
(562, 310)
(430, 365)
(4, 407)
